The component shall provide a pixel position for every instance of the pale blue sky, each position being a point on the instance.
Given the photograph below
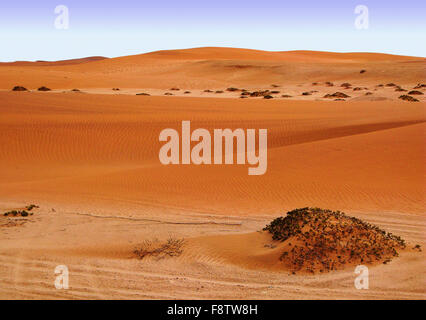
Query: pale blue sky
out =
(126, 27)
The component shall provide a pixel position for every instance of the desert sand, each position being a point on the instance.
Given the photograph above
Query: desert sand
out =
(89, 160)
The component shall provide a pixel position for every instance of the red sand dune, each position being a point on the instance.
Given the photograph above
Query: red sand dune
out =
(52, 63)
(90, 161)
(211, 68)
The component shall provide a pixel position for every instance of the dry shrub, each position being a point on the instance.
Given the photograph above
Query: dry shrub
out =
(155, 248)
(325, 240)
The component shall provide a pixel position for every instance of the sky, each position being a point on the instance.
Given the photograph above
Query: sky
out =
(125, 27)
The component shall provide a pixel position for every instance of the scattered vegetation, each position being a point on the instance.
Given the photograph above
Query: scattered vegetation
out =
(399, 89)
(336, 95)
(43, 88)
(268, 97)
(19, 88)
(324, 240)
(259, 93)
(15, 213)
(31, 207)
(232, 89)
(363, 71)
(346, 85)
(420, 85)
(417, 247)
(154, 248)
(415, 92)
(21, 213)
(408, 98)
(142, 94)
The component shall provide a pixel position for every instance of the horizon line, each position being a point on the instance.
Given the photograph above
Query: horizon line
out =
(212, 47)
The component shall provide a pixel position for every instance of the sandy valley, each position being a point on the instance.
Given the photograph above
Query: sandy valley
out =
(89, 159)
